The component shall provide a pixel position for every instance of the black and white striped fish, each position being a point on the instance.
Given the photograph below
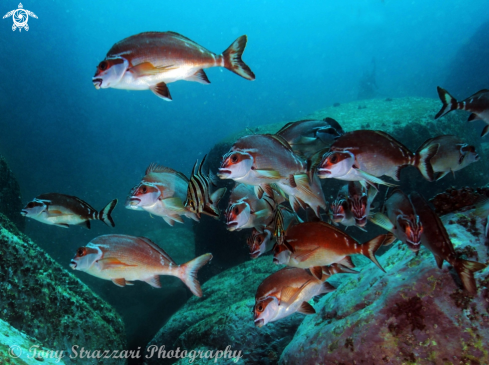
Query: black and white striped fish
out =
(477, 104)
(199, 196)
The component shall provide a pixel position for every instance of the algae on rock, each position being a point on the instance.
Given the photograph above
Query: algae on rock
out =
(41, 299)
(10, 202)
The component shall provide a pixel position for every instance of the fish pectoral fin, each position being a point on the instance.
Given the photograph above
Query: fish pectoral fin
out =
(306, 308)
(473, 117)
(119, 282)
(262, 213)
(307, 255)
(154, 281)
(63, 225)
(305, 140)
(317, 271)
(161, 90)
(111, 263)
(173, 204)
(383, 221)
(372, 180)
(269, 174)
(288, 295)
(199, 77)
(147, 69)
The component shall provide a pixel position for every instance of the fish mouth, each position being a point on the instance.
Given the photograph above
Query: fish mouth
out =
(255, 254)
(259, 322)
(414, 247)
(232, 226)
(134, 201)
(223, 173)
(23, 212)
(338, 218)
(275, 261)
(361, 222)
(323, 172)
(97, 82)
(73, 264)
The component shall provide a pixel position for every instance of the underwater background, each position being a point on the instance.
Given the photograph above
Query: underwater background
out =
(59, 134)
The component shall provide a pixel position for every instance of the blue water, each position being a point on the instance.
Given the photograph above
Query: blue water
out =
(59, 134)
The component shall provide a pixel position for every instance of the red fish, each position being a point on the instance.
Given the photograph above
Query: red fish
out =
(477, 104)
(360, 200)
(435, 238)
(152, 60)
(124, 259)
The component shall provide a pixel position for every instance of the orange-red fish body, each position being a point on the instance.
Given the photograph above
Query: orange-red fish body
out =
(153, 59)
(312, 244)
(285, 292)
(124, 259)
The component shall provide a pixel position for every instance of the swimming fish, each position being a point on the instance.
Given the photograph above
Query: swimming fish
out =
(285, 292)
(368, 154)
(341, 210)
(246, 210)
(199, 197)
(316, 244)
(307, 137)
(124, 259)
(152, 60)
(161, 192)
(452, 155)
(360, 201)
(65, 210)
(401, 220)
(477, 104)
(260, 242)
(435, 238)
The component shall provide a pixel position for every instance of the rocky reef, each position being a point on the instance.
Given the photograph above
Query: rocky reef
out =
(10, 201)
(409, 119)
(223, 317)
(42, 300)
(413, 314)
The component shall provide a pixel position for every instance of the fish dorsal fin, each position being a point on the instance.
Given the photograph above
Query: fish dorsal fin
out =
(393, 140)
(333, 228)
(280, 140)
(157, 248)
(306, 308)
(154, 167)
(478, 93)
(83, 203)
(285, 127)
(334, 123)
(179, 36)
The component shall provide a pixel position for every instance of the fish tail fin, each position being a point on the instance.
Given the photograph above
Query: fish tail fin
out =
(369, 248)
(423, 161)
(188, 273)
(449, 102)
(465, 270)
(231, 59)
(105, 214)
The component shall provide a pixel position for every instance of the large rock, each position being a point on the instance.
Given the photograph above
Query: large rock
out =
(10, 201)
(41, 299)
(409, 119)
(223, 317)
(413, 314)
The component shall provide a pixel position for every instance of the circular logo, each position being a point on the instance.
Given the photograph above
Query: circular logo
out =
(15, 351)
(20, 18)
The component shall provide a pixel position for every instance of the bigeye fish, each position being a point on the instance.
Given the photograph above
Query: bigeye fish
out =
(124, 259)
(340, 210)
(200, 199)
(285, 292)
(161, 192)
(477, 104)
(152, 60)
(368, 154)
(307, 137)
(246, 210)
(65, 210)
(316, 244)
(435, 238)
(453, 155)
(401, 220)
(360, 201)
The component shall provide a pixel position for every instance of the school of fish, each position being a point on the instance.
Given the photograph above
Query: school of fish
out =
(277, 193)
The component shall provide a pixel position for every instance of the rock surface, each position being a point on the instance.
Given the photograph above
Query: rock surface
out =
(409, 119)
(223, 316)
(41, 299)
(10, 201)
(413, 314)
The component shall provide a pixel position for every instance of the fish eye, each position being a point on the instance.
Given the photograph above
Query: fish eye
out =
(259, 239)
(236, 210)
(333, 158)
(81, 252)
(259, 308)
(234, 158)
(144, 189)
(30, 205)
(103, 65)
